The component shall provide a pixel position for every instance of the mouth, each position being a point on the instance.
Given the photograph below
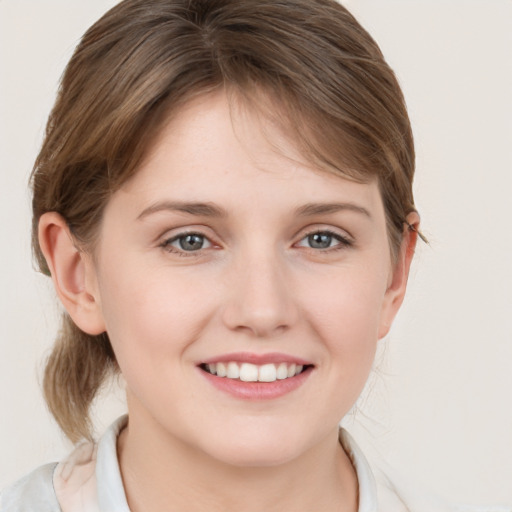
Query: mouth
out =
(256, 377)
(249, 372)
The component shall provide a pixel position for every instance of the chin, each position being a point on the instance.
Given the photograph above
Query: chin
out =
(256, 456)
(256, 448)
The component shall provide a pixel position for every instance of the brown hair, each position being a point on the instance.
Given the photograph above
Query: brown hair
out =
(144, 59)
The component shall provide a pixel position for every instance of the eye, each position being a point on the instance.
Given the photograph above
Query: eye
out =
(187, 242)
(324, 240)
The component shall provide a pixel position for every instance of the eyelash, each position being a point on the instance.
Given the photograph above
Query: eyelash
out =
(343, 242)
(166, 244)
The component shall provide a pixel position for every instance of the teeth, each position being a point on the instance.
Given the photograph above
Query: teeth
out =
(222, 371)
(267, 373)
(233, 371)
(282, 371)
(248, 372)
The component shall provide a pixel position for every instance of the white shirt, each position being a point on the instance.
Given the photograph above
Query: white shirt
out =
(89, 480)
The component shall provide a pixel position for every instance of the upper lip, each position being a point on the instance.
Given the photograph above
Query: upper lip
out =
(257, 359)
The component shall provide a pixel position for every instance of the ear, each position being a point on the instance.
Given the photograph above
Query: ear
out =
(72, 273)
(400, 273)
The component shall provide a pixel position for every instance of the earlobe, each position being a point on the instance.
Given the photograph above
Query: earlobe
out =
(72, 273)
(395, 292)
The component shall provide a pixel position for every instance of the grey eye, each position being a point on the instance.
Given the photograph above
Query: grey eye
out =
(187, 243)
(192, 242)
(320, 240)
(324, 240)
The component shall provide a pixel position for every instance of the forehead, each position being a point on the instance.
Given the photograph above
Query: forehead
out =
(218, 132)
(217, 151)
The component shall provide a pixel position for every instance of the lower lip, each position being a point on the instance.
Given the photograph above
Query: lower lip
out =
(257, 390)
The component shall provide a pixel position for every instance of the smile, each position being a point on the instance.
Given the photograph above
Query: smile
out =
(248, 372)
(259, 377)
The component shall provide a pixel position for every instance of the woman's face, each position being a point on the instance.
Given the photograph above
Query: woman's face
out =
(229, 250)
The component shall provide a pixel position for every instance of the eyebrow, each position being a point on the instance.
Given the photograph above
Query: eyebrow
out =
(312, 209)
(211, 210)
(197, 209)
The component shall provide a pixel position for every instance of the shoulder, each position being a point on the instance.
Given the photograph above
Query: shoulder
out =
(382, 489)
(406, 495)
(88, 479)
(33, 493)
(397, 493)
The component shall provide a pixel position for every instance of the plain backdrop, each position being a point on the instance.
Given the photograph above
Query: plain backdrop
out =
(439, 407)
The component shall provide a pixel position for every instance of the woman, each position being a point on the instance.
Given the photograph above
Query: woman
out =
(224, 203)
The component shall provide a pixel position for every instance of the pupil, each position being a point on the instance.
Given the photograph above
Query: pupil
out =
(320, 240)
(191, 242)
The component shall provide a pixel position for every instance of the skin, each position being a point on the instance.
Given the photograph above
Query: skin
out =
(256, 285)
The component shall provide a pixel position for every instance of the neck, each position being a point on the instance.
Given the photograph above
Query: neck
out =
(162, 474)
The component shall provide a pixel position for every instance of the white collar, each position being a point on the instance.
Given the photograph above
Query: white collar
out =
(111, 494)
(89, 480)
(365, 477)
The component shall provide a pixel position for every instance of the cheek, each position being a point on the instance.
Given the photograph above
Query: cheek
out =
(150, 318)
(346, 317)
(350, 302)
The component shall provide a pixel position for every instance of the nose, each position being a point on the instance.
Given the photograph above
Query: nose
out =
(260, 299)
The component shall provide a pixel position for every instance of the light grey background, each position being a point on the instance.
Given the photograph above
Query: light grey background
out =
(439, 408)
